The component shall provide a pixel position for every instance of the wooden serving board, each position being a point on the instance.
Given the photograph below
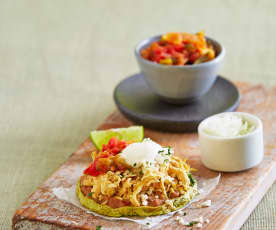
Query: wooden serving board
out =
(233, 200)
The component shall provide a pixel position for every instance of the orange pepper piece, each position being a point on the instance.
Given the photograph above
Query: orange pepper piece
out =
(175, 38)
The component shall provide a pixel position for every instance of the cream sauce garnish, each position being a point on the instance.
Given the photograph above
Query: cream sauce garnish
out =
(145, 153)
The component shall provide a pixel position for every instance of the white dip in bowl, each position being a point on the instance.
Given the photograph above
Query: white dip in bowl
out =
(231, 141)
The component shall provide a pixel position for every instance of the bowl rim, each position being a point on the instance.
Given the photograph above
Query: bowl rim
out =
(257, 121)
(149, 40)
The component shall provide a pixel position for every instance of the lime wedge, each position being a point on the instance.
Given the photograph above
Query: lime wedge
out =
(133, 133)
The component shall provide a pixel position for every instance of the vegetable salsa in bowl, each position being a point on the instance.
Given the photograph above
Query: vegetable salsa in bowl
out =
(180, 67)
(180, 49)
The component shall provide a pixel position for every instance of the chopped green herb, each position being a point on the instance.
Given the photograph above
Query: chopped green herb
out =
(166, 160)
(98, 227)
(184, 214)
(148, 223)
(141, 173)
(170, 151)
(191, 223)
(90, 194)
(192, 180)
(134, 164)
(161, 151)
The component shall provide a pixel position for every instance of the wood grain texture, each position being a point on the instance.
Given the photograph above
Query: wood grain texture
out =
(232, 201)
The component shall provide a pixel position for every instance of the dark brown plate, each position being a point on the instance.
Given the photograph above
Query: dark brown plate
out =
(138, 103)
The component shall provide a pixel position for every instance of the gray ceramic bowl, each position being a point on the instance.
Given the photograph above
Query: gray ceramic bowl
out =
(180, 84)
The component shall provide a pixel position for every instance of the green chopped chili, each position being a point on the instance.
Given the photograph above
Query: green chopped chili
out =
(192, 180)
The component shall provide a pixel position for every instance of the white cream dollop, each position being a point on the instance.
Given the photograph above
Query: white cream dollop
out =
(146, 152)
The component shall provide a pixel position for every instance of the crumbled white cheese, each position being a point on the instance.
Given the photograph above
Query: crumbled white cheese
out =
(156, 196)
(164, 155)
(169, 203)
(198, 225)
(200, 190)
(180, 213)
(181, 220)
(150, 190)
(144, 198)
(170, 178)
(207, 221)
(199, 219)
(144, 203)
(206, 204)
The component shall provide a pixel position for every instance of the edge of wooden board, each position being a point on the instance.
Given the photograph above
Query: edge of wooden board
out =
(236, 221)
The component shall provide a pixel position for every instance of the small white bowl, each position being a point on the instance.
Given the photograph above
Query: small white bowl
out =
(232, 154)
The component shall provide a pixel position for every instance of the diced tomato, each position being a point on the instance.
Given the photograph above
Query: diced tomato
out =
(122, 168)
(103, 160)
(91, 170)
(122, 143)
(158, 59)
(104, 147)
(180, 59)
(169, 49)
(112, 142)
(159, 50)
(178, 49)
(103, 164)
(115, 150)
(145, 54)
(194, 56)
